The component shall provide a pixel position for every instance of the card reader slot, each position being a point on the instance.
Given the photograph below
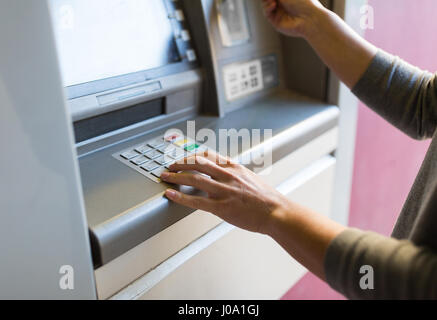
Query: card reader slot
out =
(96, 126)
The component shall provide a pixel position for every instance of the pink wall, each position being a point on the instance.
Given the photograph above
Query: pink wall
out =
(386, 161)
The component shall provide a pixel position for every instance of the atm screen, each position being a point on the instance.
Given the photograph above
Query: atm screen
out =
(100, 39)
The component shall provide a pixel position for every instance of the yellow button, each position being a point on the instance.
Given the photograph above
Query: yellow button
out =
(181, 143)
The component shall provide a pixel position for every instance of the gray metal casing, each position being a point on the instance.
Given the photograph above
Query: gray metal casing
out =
(43, 224)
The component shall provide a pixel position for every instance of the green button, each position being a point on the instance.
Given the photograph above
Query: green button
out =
(192, 147)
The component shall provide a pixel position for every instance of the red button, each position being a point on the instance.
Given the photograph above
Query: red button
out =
(171, 138)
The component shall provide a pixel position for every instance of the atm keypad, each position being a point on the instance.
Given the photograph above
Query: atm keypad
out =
(155, 156)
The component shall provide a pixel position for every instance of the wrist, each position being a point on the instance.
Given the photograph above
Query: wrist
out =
(280, 213)
(316, 23)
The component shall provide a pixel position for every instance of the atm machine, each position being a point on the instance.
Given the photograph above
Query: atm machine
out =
(137, 76)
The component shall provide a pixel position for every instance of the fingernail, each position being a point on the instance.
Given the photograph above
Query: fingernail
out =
(171, 194)
(165, 175)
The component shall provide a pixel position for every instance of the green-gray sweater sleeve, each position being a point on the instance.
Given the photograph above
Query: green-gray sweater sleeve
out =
(402, 94)
(364, 265)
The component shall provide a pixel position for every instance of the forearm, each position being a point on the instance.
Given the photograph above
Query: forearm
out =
(305, 235)
(346, 53)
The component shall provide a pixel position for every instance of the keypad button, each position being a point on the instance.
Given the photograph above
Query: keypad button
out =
(185, 35)
(129, 155)
(143, 149)
(150, 166)
(167, 148)
(162, 160)
(140, 160)
(253, 70)
(191, 55)
(156, 143)
(153, 154)
(177, 154)
(192, 147)
(179, 15)
(173, 137)
(168, 165)
(181, 143)
(157, 172)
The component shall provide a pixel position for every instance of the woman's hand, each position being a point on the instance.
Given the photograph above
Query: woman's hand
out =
(292, 17)
(235, 194)
(241, 198)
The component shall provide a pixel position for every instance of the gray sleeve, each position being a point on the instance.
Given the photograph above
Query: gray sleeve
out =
(402, 94)
(400, 269)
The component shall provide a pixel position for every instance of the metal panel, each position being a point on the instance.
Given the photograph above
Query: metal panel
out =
(340, 95)
(43, 224)
(264, 41)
